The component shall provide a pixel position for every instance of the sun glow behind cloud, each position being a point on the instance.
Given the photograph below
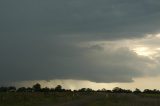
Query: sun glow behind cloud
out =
(148, 46)
(144, 51)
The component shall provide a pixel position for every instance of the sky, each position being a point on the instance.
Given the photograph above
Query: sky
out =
(80, 43)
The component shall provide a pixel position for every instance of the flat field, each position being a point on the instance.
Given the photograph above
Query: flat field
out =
(78, 99)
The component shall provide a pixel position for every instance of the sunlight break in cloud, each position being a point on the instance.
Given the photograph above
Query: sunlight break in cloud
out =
(147, 46)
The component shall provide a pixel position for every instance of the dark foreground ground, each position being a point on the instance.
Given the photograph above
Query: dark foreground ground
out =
(78, 99)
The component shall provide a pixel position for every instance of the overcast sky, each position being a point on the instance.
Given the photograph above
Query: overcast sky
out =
(101, 41)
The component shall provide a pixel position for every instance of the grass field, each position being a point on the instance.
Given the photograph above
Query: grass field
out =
(128, 100)
(78, 99)
(35, 99)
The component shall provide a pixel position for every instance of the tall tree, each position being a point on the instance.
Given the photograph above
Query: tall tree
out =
(36, 87)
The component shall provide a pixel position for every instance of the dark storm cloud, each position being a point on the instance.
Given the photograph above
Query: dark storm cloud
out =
(96, 19)
(38, 39)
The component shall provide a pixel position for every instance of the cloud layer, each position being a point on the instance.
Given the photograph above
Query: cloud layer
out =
(53, 39)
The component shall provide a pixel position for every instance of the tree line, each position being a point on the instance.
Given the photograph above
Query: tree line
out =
(37, 88)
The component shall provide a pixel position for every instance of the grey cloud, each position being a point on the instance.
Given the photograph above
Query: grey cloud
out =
(70, 63)
(108, 18)
(38, 39)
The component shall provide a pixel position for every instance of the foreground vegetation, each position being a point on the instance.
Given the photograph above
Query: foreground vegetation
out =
(37, 96)
(35, 99)
(96, 99)
(128, 100)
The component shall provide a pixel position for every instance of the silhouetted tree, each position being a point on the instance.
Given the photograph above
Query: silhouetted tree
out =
(120, 90)
(11, 89)
(58, 88)
(52, 90)
(104, 90)
(89, 90)
(137, 91)
(22, 89)
(148, 91)
(3, 89)
(45, 89)
(85, 90)
(82, 90)
(29, 89)
(36, 87)
(117, 90)
(68, 90)
(156, 91)
(127, 91)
